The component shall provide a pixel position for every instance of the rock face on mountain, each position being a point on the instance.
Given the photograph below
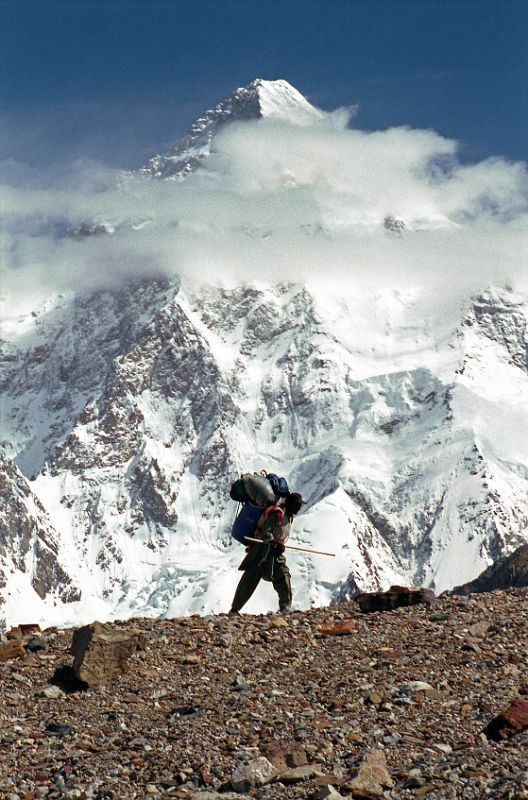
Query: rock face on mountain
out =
(127, 413)
(272, 99)
(511, 571)
(29, 545)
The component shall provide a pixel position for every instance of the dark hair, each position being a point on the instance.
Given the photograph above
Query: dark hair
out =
(293, 503)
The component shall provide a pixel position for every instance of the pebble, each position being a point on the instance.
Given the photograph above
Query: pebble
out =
(416, 686)
(443, 748)
(51, 692)
(256, 773)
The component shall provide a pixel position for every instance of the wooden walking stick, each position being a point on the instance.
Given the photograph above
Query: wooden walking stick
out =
(291, 547)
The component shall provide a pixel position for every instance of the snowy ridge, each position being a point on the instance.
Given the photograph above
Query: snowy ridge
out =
(273, 99)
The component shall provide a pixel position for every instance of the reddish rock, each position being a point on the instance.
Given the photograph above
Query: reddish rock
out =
(510, 722)
(285, 755)
(395, 597)
(328, 780)
(30, 627)
(12, 649)
(19, 631)
(341, 629)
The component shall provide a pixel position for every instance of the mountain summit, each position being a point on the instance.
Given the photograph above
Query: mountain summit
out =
(261, 98)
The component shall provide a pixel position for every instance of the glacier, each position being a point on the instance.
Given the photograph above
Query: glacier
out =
(127, 411)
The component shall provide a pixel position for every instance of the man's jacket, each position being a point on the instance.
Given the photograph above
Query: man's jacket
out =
(270, 528)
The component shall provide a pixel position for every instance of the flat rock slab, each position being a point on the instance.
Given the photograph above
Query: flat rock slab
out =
(510, 722)
(51, 692)
(328, 793)
(285, 755)
(278, 622)
(479, 630)
(395, 597)
(101, 652)
(344, 628)
(417, 686)
(373, 775)
(304, 773)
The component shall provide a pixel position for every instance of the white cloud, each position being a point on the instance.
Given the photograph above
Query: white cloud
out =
(277, 201)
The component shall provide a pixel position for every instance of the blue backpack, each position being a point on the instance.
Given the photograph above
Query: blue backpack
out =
(279, 485)
(246, 520)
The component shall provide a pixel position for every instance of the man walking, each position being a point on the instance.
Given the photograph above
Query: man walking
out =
(266, 561)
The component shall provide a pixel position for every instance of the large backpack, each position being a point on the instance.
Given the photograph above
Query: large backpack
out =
(249, 513)
(246, 521)
(239, 494)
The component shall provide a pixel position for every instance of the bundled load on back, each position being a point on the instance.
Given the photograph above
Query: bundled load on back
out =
(256, 492)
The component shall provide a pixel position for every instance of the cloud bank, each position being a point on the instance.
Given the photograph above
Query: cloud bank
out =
(274, 201)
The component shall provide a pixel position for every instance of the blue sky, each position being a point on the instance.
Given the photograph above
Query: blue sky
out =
(118, 80)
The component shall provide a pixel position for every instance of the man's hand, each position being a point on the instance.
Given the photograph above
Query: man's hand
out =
(279, 547)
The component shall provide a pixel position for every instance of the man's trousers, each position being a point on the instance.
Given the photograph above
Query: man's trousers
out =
(255, 572)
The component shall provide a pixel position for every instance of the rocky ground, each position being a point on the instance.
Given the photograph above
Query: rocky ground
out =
(412, 689)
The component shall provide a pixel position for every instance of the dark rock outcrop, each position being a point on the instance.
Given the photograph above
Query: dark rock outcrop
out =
(395, 597)
(28, 540)
(510, 572)
(510, 722)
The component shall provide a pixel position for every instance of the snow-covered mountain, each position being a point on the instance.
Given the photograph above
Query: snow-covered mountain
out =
(127, 413)
(271, 99)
